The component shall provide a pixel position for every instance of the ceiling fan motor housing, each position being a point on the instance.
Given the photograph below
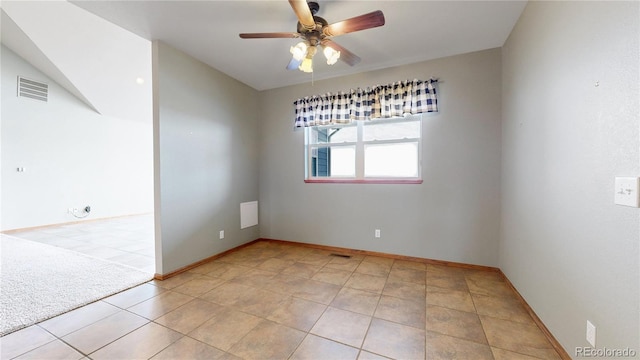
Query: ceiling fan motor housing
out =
(314, 7)
(314, 36)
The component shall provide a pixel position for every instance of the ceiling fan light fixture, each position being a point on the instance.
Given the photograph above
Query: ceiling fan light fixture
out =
(331, 54)
(307, 65)
(299, 50)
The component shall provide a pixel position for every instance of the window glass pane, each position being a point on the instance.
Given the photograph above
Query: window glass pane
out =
(391, 160)
(344, 134)
(343, 161)
(332, 135)
(336, 161)
(391, 130)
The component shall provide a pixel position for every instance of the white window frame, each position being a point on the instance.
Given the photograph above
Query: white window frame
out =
(311, 148)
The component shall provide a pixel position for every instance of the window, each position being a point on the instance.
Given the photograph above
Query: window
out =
(365, 151)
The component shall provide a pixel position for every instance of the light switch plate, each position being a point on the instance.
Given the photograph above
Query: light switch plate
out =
(626, 191)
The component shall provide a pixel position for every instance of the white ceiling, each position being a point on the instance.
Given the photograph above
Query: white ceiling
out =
(90, 57)
(414, 31)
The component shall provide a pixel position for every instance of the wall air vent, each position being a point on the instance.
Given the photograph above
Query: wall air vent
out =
(32, 89)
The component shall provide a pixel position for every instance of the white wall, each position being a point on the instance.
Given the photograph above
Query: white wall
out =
(570, 126)
(453, 215)
(205, 139)
(73, 156)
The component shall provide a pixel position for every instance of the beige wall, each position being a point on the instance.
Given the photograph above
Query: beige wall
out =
(453, 215)
(205, 139)
(73, 156)
(570, 126)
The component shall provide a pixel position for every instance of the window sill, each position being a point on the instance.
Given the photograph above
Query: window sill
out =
(363, 181)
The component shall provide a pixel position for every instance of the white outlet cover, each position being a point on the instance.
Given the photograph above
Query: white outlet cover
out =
(591, 333)
(626, 191)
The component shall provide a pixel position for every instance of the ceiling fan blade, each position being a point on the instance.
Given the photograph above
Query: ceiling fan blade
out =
(269, 35)
(345, 55)
(301, 8)
(294, 64)
(362, 22)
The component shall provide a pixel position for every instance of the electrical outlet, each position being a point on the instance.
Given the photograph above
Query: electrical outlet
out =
(591, 333)
(377, 233)
(221, 234)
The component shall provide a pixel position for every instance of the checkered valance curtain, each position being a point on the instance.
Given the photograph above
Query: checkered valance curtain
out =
(383, 101)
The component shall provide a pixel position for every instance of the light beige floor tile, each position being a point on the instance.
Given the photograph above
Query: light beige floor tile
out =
(103, 332)
(226, 328)
(256, 278)
(160, 305)
(408, 275)
(142, 343)
(302, 270)
(275, 264)
(314, 347)
(55, 350)
(488, 287)
(223, 307)
(317, 257)
(443, 347)
(332, 276)
(298, 313)
(344, 264)
(366, 282)
(76, 319)
(227, 294)
(317, 291)
(379, 260)
(210, 268)
(199, 286)
(455, 323)
(360, 301)
(260, 302)
(501, 354)
(134, 295)
(365, 355)
(484, 275)
(23, 341)
(402, 311)
(189, 316)
(268, 340)
(295, 254)
(177, 280)
(374, 268)
(230, 272)
(449, 298)
(518, 337)
(188, 348)
(502, 307)
(395, 340)
(246, 260)
(447, 281)
(404, 290)
(408, 264)
(342, 326)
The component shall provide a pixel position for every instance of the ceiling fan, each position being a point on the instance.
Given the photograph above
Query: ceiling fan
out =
(317, 32)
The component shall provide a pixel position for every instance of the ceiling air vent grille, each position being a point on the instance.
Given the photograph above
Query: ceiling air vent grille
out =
(33, 89)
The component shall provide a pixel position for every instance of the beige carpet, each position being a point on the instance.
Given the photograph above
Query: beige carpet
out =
(39, 281)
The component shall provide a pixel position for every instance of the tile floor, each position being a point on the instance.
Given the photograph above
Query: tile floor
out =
(126, 240)
(278, 301)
